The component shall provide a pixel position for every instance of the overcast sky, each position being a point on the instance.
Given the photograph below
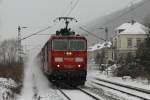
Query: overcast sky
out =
(38, 14)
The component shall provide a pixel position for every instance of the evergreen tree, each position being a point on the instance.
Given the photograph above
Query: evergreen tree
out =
(129, 58)
(144, 55)
(97, 59)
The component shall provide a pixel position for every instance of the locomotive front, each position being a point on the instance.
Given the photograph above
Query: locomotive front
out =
(69, 58)
(65, 56)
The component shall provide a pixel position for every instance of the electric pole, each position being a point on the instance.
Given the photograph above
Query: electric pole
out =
(106, 45)
(19, 44)
(106, 33)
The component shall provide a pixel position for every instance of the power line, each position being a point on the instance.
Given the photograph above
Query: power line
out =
(65, 11)
(36, 33)
(91, 33)
(43, 34)
(73, 7)
(42, 30)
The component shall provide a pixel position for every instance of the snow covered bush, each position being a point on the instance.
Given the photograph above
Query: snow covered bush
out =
(131, 70)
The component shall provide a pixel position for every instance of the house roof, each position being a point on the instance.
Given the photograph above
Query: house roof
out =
(124, 26)
(136, 28)
(132, 28)
(99, 46)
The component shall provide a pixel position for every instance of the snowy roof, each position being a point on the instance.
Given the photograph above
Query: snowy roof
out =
(136, 28)
(99, 46)
(132, 28)
(124, 26)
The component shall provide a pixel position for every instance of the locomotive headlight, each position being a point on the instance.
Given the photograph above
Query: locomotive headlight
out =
(68, 53)
(79, 66)
(78, 59)
(58, 59)
(58, 66)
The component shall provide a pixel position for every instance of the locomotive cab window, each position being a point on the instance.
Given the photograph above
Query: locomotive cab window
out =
(60, 45)
(77, 45)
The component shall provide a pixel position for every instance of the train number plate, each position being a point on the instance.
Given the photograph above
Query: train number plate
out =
(69, 59)
(68, 66)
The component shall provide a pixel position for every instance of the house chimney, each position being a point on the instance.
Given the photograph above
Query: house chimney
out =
(132, 21)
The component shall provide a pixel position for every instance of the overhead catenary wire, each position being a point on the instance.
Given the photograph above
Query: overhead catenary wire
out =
(72, 8)
(65, 11)
(116, 18)
(49, 27)
(91, 33)
(42, 30)
(73, 5)
(36, 33)
(67, 8)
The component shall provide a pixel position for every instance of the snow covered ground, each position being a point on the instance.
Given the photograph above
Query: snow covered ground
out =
(37, 87)
(5, 88)
(139, 83)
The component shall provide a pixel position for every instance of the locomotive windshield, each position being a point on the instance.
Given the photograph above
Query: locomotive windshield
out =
(71, 45)
(60, 45)
(77, 45)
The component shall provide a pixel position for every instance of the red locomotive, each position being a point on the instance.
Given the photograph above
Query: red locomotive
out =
(64, 56)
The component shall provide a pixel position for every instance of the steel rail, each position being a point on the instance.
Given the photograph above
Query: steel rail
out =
(96, 98)
(79, 89)
(132, 94)
(64, 94)
(126, 86)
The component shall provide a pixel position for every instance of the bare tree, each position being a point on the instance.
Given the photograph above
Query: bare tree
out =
(8, 51)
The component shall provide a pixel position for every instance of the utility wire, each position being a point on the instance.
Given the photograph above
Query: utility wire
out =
(116, 18)
(65, 11)
(36, 33)
(43, 34)
(42, 30)
(73, 7)
(91, 33)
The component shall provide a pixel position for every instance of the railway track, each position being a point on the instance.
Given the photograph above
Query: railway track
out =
(132, 91)
(66, 96)
(75, 93)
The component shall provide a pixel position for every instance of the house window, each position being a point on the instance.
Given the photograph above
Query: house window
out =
(115, 43)
(138, 42)
(120, 43)
(129, 42)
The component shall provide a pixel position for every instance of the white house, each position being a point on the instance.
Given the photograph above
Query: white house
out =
(127, 39)
(98, 48)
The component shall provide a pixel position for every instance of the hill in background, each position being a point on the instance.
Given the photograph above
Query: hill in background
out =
(139, 12)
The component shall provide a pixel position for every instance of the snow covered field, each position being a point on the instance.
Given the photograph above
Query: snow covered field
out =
(37, 87)
(5, 89)
(140, 83)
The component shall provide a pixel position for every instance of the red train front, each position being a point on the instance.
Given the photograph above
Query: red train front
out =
(64, 57)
